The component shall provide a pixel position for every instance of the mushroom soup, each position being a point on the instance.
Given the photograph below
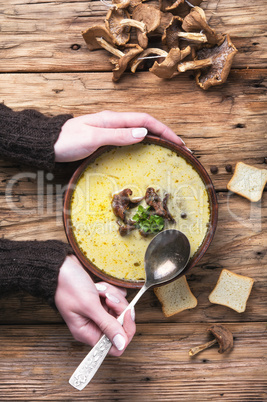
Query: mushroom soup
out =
(136, 167)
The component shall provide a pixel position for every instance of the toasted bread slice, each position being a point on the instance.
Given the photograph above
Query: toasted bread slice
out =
(175, 297)
(232, 290)
(248, 181)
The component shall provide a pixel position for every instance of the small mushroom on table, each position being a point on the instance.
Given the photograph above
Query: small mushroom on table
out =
(222, 336)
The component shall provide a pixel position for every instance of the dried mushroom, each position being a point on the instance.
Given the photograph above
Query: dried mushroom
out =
(222, 336)
(168, 68)
(170, 36)
(160, 206)
(133, 4)
(91, 34)
(176, 28)
(196, 21)
(131, 51)
(120, 33)
(121, 202)
(141, 30)
(148, 15)
(222, 58)
(165, 21)
(180, 7)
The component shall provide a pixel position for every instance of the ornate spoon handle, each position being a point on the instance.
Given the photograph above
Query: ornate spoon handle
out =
(91, 363)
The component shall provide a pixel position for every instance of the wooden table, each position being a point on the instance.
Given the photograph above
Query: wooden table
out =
(41, 67)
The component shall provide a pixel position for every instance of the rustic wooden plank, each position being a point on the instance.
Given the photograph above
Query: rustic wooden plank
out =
(38, 36)
(215, 124)
(36, 363)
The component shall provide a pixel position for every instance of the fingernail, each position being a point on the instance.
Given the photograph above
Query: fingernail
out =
(119, 341)
(188, 149)
(139, 132)
(182, 141)
(100, 287)
(133, 313)
(112, 298)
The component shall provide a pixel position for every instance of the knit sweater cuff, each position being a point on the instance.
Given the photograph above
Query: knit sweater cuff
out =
(29, 136)
(31, 266)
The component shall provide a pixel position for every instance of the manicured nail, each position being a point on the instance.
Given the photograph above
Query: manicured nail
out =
(188, 149)
(100, 287)
(139, 132)
(112, 298)
(133, 313)
(119, 341)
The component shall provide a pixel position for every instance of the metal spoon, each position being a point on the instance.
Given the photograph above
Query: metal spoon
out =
(166, 257)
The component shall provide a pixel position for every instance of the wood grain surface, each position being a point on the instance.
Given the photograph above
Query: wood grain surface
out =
(40, 68)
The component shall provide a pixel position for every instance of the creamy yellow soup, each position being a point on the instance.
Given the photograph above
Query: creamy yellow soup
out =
(136, 167)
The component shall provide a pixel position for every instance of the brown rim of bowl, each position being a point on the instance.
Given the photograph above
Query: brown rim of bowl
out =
(150, 139)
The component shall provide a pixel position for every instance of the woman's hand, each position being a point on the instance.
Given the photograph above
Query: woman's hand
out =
(91, 309)
(81, 136)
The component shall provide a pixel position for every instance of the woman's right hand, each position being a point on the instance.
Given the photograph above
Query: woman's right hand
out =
(90, 310)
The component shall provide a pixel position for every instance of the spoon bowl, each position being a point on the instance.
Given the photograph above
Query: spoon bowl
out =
(166, 257)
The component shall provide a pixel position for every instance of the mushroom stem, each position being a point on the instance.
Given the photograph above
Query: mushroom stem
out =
(133, 23)
(194, 65)
(197, 349)
(110, 48)
(193, 36)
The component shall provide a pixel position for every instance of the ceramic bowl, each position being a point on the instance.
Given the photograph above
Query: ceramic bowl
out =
(150, 139)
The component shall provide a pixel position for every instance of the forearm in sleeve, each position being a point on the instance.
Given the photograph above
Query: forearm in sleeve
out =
(29, 136)
(32, 266)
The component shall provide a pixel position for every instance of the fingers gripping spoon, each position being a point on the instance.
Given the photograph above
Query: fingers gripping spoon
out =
(166, 257)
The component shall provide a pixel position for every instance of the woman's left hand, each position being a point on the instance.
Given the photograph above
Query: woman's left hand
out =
(81, 136)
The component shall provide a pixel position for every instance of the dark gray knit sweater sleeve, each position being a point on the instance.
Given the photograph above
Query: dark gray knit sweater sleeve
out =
(29, 136)
(32, 266)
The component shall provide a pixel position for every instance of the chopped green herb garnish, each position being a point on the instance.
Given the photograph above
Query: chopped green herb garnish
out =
(147, 222)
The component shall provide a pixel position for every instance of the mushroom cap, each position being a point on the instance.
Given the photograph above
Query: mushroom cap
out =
(222, 58)
(131, 51)
(170, 37)
(224, 337)
(147, 14)
(181, 8)
(120, 34)
(165, 20)
(168, 68)
(97, 31)
(196, 21)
